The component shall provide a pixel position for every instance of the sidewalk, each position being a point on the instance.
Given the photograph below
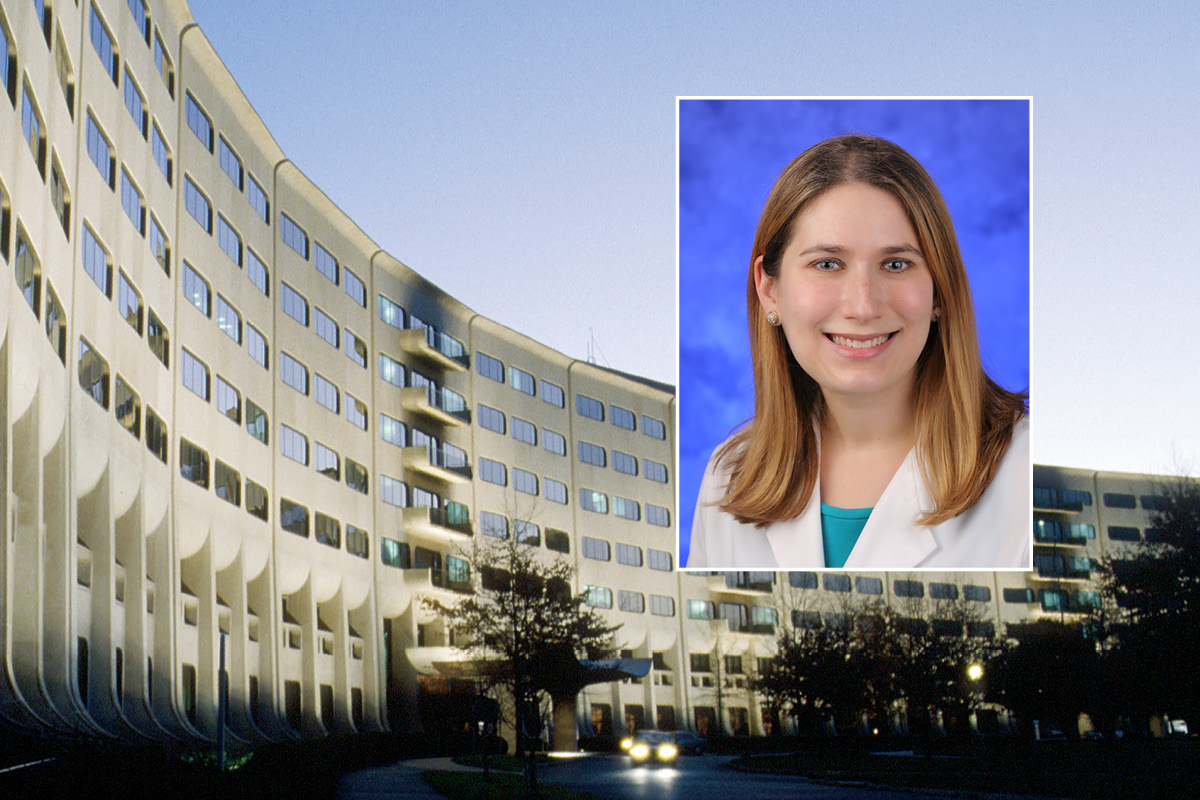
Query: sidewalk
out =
(399, 780)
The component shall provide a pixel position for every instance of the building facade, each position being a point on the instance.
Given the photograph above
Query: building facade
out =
(226, 411)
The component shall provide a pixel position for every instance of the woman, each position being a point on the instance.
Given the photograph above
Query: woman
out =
(878, 441)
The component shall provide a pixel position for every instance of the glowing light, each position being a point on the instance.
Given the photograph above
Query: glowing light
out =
(975, 672)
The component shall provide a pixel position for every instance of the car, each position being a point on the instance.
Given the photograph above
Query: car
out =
(688, 742)
(652, 747)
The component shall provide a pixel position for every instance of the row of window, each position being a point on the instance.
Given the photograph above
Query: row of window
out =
(756, 619)
(836, 582)
(225, 480)
(199, 207)
(94, 379)
(196, 378)
(394, 315)
(294, 518)
(625, 463)
(494, 420)
(231, 164)
(1054, 599)
(1054, 531)
(591, 500)
(628, 554)
(633, 602)
(27, 271)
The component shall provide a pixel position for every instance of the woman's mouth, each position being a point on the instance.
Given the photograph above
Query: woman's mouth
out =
(859, 342)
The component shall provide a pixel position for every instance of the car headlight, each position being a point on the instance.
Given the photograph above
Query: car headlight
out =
(627, 743)
(667, 751)
(639, 751)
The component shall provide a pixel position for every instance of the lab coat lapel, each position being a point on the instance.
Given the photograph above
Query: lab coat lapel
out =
(798, 541)
(891, 538)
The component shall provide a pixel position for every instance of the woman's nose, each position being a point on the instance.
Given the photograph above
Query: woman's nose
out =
(862, 294)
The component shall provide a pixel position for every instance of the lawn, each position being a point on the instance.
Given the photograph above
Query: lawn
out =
(503, 786)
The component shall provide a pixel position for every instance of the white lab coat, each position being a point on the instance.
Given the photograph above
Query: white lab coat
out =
(996, 533)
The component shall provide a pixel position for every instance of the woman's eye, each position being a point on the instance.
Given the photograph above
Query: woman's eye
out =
(896, 265)
(826, 265)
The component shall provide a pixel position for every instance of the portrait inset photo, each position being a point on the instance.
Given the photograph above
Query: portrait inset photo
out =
(854, 334)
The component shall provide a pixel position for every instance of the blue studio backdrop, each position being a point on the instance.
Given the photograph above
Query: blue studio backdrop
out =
(731, 152)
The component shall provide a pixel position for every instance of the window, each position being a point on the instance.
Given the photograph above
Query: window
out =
(592, 454)
(489, 367)
(128, 408)
(156, 435)
(391, 370)
(493, 471)
(626, 508)
(552, 393)
(194, 374)
(163, 62)
(660, 560)
(392, 430)
(597, 549)
(160, 248)
(598, 597)
(526, 532)
(161, 153)
(196, 289)
(733, 665)
(257, 272)
(293, 373)
(525, 482)
(524, 431)
(229, 240)
(392, 491)
(654, 427)
(326, 393)
(491, 418)
(293, 235)
(60, 196)
(355, 288)
(327, 462)
(559, 541)
(835, 583)
(356, 476)
(909, 588)
(230, 163)
(623, 462)
(629, 554)
(256, 500)
(554, 491)
(256, 345)
(356, 412)
(976, 594)
(229, 320)
(1121, 533)
(355, 349)
(193, 463)
(293, 517)
(735, 614)
(135, 104)
(28, 272)
(657, 515)
(662, 606)
(622, 418)
(62, 63)
(634, 602)
(593, 501)
(102, 41)
(228, 400)
(33, 130)
(1153, 502)
(325, 327)
(1063, 499)
(199, 122)
(700, 609)
(227, 483)
(258, 200)
(394, 554)
(197, 204)
(554, 442)
(521, 380)
(325, 263)
(493, 524)
(293, 304)
(589, 407)
(293, 444)
(391, 313)
(1018, 595)
(100, 152)
(256, 421)
(56, 324)
(943, 591)
(8, 64)
(357, 541)
(654, 470)
(158, 339)
(803, 580)
(868, 585)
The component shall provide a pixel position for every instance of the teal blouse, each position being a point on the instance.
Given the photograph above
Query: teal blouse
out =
(840, 528)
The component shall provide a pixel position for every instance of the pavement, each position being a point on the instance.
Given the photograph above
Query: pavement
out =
(400, 780)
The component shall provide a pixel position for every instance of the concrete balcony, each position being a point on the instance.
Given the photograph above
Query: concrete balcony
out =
(434, 463)
(425, 580)
(435, 347)
(437, 404)
(438, 523)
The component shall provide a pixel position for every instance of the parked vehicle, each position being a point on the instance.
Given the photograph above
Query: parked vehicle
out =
(652, 747)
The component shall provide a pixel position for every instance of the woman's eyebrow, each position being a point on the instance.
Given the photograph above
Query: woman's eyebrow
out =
(896, 249)
(837, 249)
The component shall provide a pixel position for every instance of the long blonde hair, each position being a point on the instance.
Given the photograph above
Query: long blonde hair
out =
(964, 419)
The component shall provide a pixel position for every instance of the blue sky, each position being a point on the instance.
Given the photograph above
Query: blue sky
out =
(534, 147)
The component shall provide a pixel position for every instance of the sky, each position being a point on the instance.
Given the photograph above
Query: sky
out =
(523, 158)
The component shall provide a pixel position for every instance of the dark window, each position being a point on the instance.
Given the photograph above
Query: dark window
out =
(1117, 500)
(1122, 533)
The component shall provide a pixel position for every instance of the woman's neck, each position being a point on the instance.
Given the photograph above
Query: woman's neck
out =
(856, 422)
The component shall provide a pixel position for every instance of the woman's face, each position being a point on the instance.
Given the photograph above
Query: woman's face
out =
(854, 294)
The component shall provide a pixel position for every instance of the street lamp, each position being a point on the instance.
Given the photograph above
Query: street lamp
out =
(975, 672)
